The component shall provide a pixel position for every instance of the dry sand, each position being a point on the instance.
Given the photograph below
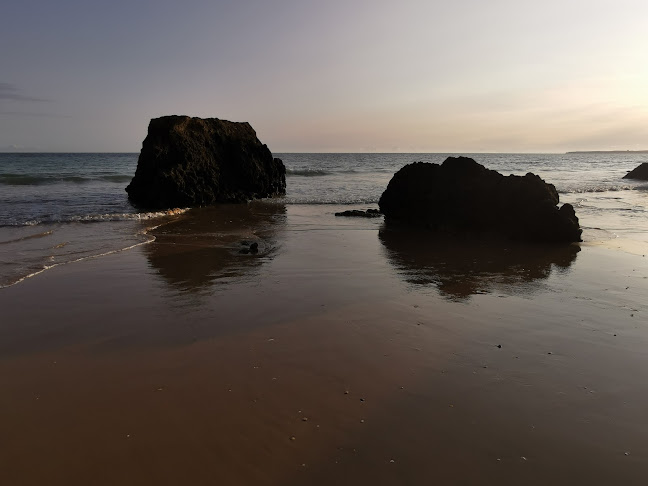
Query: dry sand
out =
(334, 356)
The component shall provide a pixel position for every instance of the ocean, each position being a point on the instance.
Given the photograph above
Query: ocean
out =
(61, 208)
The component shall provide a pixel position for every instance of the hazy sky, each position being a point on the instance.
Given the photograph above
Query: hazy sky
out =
(329, 75)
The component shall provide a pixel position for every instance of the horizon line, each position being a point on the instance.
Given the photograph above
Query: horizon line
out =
(351, 152)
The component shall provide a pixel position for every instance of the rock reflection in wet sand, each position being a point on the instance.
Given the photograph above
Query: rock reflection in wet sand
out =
(460, 267)
(204, 245)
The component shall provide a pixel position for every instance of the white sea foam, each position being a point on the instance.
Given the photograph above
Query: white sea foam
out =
(71, 243)
(98, 218)
(597, 188)
(91, 218)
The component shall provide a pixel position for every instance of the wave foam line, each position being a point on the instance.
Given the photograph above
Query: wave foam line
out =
(319, 172)
(151, 239)
(98, 218)
(307, 172)
(91, 218)
(598, 189)
(43, 179)
(28, 237)
(89, 257)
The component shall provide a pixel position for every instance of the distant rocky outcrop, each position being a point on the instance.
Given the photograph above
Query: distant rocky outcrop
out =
(640, 172)
(198, 162)
(461, 195)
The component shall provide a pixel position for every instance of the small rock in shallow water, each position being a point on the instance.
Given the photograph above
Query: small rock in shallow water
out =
(369, 213)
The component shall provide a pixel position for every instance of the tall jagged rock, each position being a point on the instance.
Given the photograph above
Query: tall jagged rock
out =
(461, 195)
(197, 162)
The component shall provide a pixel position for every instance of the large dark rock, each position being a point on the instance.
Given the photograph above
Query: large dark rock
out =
(461, 195)
(197, 162)
(640, 172)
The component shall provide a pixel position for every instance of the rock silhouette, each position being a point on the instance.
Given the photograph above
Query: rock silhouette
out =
(188, 162)
(640, 173)
(462, 196)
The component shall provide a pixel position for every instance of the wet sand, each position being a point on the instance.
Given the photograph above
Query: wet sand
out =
(339, 354)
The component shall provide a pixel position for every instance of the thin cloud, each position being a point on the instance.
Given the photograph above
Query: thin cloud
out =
(26, 113)
(10, 92)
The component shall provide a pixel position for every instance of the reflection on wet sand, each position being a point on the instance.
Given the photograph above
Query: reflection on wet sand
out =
(207, 244)
(460, 266)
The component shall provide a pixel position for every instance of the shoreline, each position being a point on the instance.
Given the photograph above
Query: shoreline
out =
(183, 361)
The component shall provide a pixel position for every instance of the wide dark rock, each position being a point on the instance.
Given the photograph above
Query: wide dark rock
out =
(461, 195)
(197, 162)
(640, 172)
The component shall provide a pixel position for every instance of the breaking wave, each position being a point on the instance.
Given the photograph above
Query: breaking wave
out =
(307, 172)
(98, 218)
(43, 179)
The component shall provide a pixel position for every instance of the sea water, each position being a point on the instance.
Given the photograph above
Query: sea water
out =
(61, 208)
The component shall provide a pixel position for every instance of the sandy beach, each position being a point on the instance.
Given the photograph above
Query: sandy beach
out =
(339, 354)
(181, 305)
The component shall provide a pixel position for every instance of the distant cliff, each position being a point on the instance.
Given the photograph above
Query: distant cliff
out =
(609, 152)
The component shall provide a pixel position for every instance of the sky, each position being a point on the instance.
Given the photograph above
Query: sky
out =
(328, 75)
